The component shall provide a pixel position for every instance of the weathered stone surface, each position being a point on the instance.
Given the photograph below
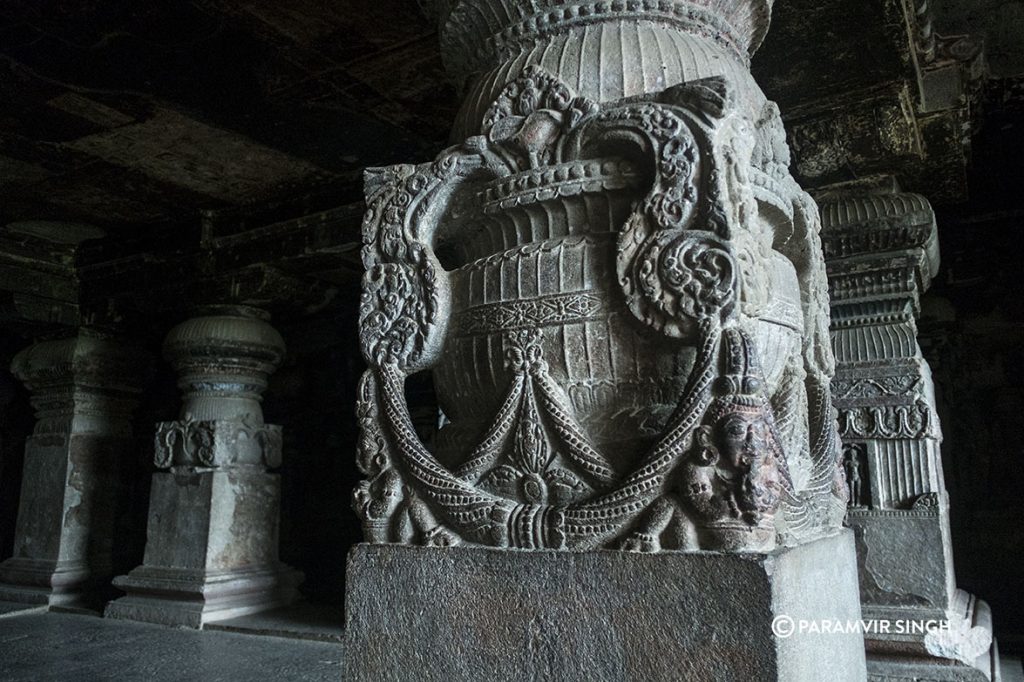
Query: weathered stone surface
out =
(474, 614)
(881, 248)
(617, 286)
(84, 389)
(212, 538)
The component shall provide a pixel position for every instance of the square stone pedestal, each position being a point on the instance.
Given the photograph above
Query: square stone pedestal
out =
(64, 543)
(463, 613)
(211, 550)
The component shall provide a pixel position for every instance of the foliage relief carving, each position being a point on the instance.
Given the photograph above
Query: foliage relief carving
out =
(716, 475)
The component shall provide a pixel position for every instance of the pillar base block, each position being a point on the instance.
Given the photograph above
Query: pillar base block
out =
(192, 598)
(963, 650)
(471, 613)
(64, 585)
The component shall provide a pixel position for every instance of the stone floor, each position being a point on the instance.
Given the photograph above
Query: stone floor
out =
(52, 647)
(297, 644)
(302, 621)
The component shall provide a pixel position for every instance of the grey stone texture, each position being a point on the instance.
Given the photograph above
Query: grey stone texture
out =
(467, 613)
(84, 389)
(58, 647)
(617, 286)
(882, 251)
(212, 538)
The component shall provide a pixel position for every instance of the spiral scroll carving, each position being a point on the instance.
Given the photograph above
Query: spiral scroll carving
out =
(711, 464)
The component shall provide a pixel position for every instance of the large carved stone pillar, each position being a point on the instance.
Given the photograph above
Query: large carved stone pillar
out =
(212, 539)
(620, 292)
(882, 252)
(84, 389)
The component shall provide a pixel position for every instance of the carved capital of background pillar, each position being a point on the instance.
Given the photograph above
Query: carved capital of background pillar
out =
(84, 383)
(217, 489)
(84, 389)
(223, 358)
(882, 250)
(881, 253)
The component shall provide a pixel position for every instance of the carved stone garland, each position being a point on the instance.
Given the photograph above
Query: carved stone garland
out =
(717, 473)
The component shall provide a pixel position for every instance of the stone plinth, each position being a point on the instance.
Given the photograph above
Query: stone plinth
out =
(212, 538)
(463, 613)
(84, 389)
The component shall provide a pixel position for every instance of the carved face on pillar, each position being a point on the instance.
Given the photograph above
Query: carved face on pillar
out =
(625, 246)
(739, 438)
(735, 476)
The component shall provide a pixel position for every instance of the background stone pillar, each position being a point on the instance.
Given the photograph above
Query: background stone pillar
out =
(882, 251)
(84, 389)
(212, 539)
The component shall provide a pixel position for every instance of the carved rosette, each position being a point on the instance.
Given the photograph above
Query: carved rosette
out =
(620, 300)
(224, 359)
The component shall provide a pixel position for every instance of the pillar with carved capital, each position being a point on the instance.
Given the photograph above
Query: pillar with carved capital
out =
(84, 389)
(882, 251)
(619, 290)
(212, 539)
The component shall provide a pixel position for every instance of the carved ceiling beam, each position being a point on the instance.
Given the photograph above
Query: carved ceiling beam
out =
(879, 92)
